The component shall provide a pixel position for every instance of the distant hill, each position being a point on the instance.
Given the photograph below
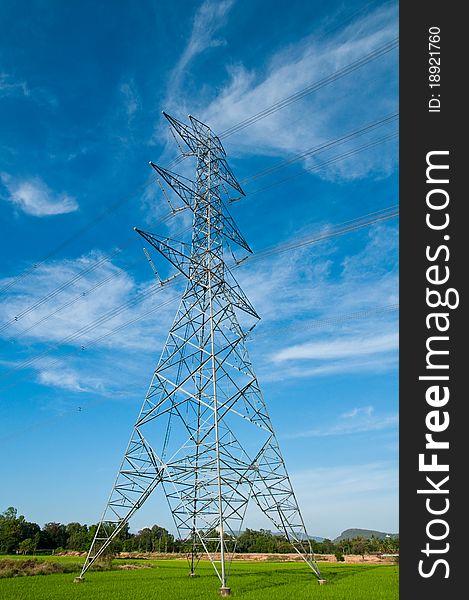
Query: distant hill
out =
(364, 533)
(301, 536)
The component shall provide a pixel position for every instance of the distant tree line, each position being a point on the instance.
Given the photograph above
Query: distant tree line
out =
(20, 536)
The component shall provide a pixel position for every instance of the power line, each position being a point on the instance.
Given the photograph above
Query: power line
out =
(84, 294)
(69, 282)
(129, 241)
(237, 127)
(345, 137)
(380, 51)
(386, 120)
(317, 323)
(346, 227)
(74, 236)
(339, 318)
(324, 236)
(102, 215)
(92, 343)
(352, 316)
(364, 60)
(333, 160)
(349, 18)
(287, 100)
(107, 316)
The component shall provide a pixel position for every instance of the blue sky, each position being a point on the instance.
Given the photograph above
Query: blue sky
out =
(82, 87)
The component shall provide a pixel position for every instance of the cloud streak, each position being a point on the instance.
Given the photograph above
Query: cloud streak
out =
(132, 102)
(208, 20)
(334, 498)
(361, 422)
(63, 377)
(338, 348)
(119, 297)
(10, 87)
(35, 198)
(297, 289)
(324, 114)
(19, 88)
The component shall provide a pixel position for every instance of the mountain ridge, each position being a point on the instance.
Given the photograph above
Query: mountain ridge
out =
(354, 532)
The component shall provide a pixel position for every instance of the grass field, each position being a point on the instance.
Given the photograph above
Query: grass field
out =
(167, 579)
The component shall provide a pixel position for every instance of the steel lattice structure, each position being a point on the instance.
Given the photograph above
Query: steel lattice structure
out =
(203, 433)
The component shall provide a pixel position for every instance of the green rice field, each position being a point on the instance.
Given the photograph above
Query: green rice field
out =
(168, 579)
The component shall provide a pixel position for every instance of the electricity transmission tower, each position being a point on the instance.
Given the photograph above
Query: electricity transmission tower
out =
(203, 433)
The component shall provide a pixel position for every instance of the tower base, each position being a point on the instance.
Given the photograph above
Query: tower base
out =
(194, 575)
(224, 591)
(322, 581)
(79, 579)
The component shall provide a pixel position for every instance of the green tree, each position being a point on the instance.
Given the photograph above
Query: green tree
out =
(27, 546)
(143, 540)
(359, 546)
(339, 556)
(14, 529)
(53, 535)
(10, 533)
(328, 546)
(373, 544)
(162, 540)
(77, 536)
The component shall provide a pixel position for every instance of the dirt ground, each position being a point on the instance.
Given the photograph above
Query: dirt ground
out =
(255, 557)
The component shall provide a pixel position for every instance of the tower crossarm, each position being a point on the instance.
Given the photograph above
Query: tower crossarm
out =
(226, 174)
(183, 190)
(200, 135)
(196, 134)
(231, 231)
(177, 258)
(238, 298)
(189, 195)
(185, 132)
(187, 264)
(204, 133)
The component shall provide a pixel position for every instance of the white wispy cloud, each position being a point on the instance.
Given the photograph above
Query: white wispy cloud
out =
(208, 20)
(348, 103)
(306, 280)
(209, 17)
(303, 286)
(359, 420)
(20, 88)
(34, 197)
(80, 305)
(366, 410)
(131, 97)
(335, 498)
(63, 378)
(287, 71)
(381, 364)
(12, 87)
(78, 373)
(338, 348)
(89, 338)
